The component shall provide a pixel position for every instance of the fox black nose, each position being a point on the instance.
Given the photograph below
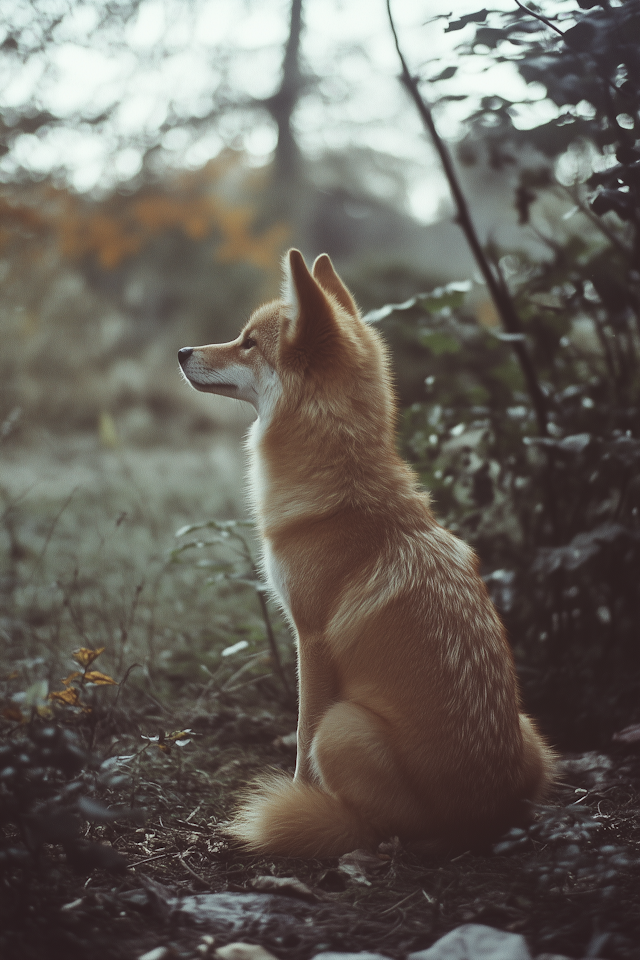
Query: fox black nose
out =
(184, 354)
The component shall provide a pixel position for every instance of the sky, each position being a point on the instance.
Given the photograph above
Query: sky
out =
(170, 58)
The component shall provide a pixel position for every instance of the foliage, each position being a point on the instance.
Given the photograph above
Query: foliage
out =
(587, 61)
(555, 517)
(49, 776)
(122, 225)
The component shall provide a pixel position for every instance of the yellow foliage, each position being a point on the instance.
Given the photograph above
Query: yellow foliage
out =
(70, 697)
(108, 238)
(120, 227)
(100, 679)
(72, 676)
(85, 657)
(13, 713)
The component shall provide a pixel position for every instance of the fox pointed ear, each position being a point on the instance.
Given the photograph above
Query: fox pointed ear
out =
(312, 322)
(325, 274)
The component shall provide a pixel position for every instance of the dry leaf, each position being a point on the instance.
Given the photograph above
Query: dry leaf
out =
(71, 678)
(69, 696)
(85, 657)
(14, 714)
(100, 679)
(358, 863)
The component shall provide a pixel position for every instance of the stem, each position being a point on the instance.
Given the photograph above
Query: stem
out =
(498, 291)
(539, 16)
(275, 653)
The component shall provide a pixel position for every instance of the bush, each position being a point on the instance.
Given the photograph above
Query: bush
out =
(553, 508)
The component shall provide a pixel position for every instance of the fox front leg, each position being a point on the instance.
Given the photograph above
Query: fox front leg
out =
(319, 689)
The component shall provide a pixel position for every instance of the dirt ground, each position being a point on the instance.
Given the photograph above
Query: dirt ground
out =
(87, 539)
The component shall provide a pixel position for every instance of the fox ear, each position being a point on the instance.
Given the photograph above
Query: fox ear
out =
(312, 323)
(325, 274)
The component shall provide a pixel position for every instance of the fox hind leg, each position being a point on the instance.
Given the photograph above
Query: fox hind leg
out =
(353, 757)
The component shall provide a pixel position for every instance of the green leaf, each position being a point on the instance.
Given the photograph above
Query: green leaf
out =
(479, 17)
(438, 343)
(442, 298)
(446, 74)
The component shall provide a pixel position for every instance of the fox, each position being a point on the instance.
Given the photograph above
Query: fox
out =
(409, 712)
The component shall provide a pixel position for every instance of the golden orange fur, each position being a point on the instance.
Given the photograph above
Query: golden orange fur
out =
(409, 720)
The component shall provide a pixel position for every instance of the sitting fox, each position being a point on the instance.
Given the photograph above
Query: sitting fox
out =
(409, 720)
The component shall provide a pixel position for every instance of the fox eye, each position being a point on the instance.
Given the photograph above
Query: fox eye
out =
(247, 343)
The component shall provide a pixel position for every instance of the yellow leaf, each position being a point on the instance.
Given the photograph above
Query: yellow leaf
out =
(100, 679)
(71, 677)
(14, 714)
(85, 657)
(69, 696)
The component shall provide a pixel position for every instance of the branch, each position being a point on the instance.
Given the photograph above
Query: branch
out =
(498, 291)
(539, 16)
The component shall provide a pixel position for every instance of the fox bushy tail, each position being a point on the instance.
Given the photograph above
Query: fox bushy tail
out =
(296, 819)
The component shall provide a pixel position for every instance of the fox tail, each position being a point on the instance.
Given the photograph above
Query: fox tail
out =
(297, 819)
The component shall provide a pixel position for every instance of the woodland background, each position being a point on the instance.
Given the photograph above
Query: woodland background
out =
(121, 505)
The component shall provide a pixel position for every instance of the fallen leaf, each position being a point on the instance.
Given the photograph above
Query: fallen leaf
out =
(358, 863)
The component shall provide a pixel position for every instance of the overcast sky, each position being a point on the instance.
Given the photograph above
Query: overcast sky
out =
(175, 54)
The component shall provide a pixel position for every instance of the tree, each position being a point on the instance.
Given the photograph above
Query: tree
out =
(41, 35)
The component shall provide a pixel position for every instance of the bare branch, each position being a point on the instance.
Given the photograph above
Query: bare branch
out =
(499, 293)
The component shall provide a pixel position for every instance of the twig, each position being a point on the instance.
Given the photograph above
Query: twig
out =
(50, 532)
(158, 856)
(193, 812)
(250, 662)
(275, 653)
(197, 876)
(399, 904)
(248, 683)
(118, 691)
(498, 291)
(541, 18)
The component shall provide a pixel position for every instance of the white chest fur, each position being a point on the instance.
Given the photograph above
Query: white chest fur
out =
(273, 568)
(276, 575)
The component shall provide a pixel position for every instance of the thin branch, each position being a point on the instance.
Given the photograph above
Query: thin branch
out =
(275, 653)
(541, 18)
(498, 291)
(598, 222)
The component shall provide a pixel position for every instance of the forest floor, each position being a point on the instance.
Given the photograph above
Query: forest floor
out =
(89, 560)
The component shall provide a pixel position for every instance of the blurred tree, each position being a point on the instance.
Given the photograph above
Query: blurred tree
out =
(131, 40)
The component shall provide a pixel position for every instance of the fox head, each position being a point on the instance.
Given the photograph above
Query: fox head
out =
(311, 343)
